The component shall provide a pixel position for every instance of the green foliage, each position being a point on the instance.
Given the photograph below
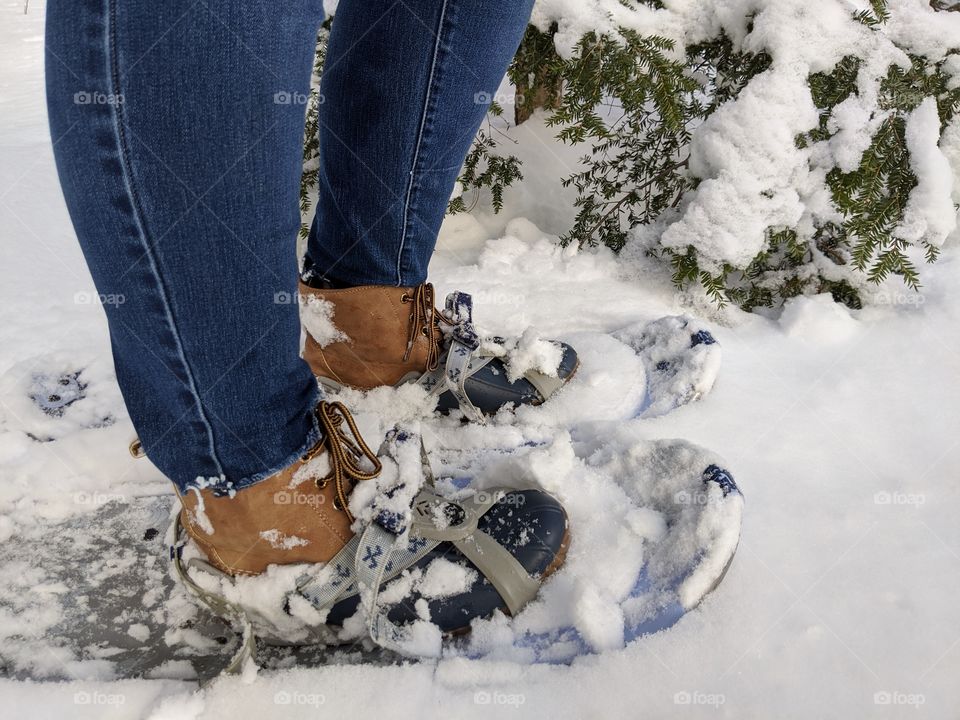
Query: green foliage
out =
(311, 134)
(829, 90)
(633, 105)
(483, 168)
(537, 73)
(875, 16)
(725, 70)
(872, 198)
(782, 270)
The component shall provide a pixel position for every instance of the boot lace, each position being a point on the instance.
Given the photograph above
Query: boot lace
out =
(425, 320)
(346, 451)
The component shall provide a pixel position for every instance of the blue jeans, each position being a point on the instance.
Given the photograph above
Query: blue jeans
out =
(178, 130)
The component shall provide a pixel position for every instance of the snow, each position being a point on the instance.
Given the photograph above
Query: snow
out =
(930, 214)
(950, 146)
(316, 314)
(443, 578)
(139, 631)
(818, 319)
(283, 542)
(839, 425)
(532, 353)
(198, 514)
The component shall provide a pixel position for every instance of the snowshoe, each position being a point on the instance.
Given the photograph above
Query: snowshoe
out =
(381, 335)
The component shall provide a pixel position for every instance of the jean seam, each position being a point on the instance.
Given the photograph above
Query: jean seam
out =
(137, 208)
(428, 96)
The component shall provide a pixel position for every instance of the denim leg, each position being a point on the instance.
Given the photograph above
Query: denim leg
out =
(178, 131)
(406, 86)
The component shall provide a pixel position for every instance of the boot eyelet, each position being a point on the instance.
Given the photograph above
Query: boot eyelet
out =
(425, 331)
(336, 504)
(405, 298)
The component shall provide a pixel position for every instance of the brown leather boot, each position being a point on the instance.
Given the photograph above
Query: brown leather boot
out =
(298, 515)
(391, 333)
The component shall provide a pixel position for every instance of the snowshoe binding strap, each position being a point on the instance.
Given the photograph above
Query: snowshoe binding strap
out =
(461, 356)
(379, 554)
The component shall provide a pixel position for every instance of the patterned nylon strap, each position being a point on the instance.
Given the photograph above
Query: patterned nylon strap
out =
(501, 568)
(464, 359)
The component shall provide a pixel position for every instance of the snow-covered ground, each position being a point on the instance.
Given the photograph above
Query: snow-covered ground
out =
(840, 427)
